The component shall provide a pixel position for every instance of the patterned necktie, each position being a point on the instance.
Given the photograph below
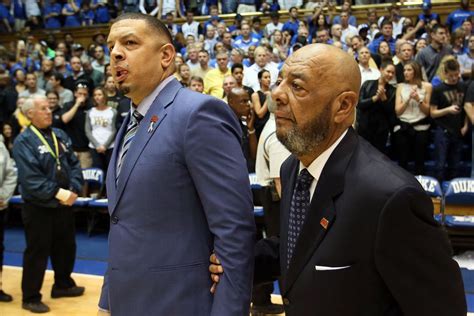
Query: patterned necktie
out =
(299, 205)
(127, 139)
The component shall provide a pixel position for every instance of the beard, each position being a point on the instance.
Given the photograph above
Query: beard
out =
(302, 140)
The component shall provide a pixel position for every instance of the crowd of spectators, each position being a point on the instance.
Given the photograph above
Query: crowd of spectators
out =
(415, 72)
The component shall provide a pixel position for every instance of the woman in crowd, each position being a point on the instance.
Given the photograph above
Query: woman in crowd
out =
(278, 44)
(100, 129)
(457, 41)
(8, 137)
(412, 106)
(384, 51)
(420, 44)
(259, 101)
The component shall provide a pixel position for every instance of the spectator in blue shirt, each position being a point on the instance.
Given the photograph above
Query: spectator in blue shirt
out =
(101, 11)
(456, 18)
(293, 23)
(51, 14)
(387, 32)
(427, 15)
(245, 40)
(6, 19)
(346, 7)
(87, 15)
(71, 12)
(19, 14)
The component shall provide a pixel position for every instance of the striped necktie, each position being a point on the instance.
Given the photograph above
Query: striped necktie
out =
(127, 139)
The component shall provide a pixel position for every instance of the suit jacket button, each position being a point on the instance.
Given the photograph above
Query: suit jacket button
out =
(114, 219)
(286, 301)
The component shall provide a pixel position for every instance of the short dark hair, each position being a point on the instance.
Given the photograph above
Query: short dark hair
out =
(236, 66)
(155, 23)
(385, 63)
(386, 21)
(204, 51)
(437, 26)
(451, 65)
(197, 78)
(261, 72)
(58, 77)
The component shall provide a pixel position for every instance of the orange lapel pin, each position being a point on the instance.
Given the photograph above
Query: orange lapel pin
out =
(324, 222)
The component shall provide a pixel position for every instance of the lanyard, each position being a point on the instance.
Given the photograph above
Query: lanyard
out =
(55, 153)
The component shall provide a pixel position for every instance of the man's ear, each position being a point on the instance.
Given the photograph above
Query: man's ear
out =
(345, 105)
(168, 54)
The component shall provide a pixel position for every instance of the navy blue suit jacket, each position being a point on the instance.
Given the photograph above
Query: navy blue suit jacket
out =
(183, 192)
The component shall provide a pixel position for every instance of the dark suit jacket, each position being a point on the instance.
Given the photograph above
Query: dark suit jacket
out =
(383, 252)
(183, 192)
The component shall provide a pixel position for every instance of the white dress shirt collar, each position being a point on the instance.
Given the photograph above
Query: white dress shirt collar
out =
(146, 103)
(316, 167)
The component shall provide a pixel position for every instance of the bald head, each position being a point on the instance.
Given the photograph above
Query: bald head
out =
(239, 101)
(315, 101)
(235, 93)
(334, 68)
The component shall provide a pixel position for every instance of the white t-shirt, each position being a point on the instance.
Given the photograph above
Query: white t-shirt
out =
(101, 125)
(270, 154)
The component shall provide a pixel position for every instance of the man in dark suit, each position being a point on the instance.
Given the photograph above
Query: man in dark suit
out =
(177, 186)
(357, 232)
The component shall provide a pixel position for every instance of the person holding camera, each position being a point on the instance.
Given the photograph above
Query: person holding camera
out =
(74, 118)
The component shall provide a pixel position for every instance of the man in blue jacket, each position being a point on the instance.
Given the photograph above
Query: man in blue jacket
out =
(50, 178)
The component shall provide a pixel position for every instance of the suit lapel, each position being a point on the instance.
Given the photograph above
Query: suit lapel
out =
(322, 212)
(112, 169)
(156, 113)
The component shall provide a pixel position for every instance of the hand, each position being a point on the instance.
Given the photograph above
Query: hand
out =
(414, 95)
(102, 313)
(464, 129)
(70, 201)
(81, 100)
(101, 149)
(251, 119)
(2, 203)
(454, 109)
(216, 269)
(420, 24)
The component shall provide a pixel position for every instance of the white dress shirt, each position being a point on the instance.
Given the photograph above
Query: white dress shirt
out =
(317, 166)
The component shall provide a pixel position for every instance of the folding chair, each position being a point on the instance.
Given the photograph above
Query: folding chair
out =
(433, 189)
(458, 211)
(94, 179)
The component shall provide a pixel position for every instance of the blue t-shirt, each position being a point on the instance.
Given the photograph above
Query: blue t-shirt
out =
(352, 20)
(101, 13)
(456, 18)
(88, 17)
(52, 22)
(5, 14)
(291, 26)
(71, 20)
(19, 11)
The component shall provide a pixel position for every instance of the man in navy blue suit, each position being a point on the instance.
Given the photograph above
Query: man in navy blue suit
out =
(177, 186)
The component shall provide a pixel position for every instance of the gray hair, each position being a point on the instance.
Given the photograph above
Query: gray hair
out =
(30, 102)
